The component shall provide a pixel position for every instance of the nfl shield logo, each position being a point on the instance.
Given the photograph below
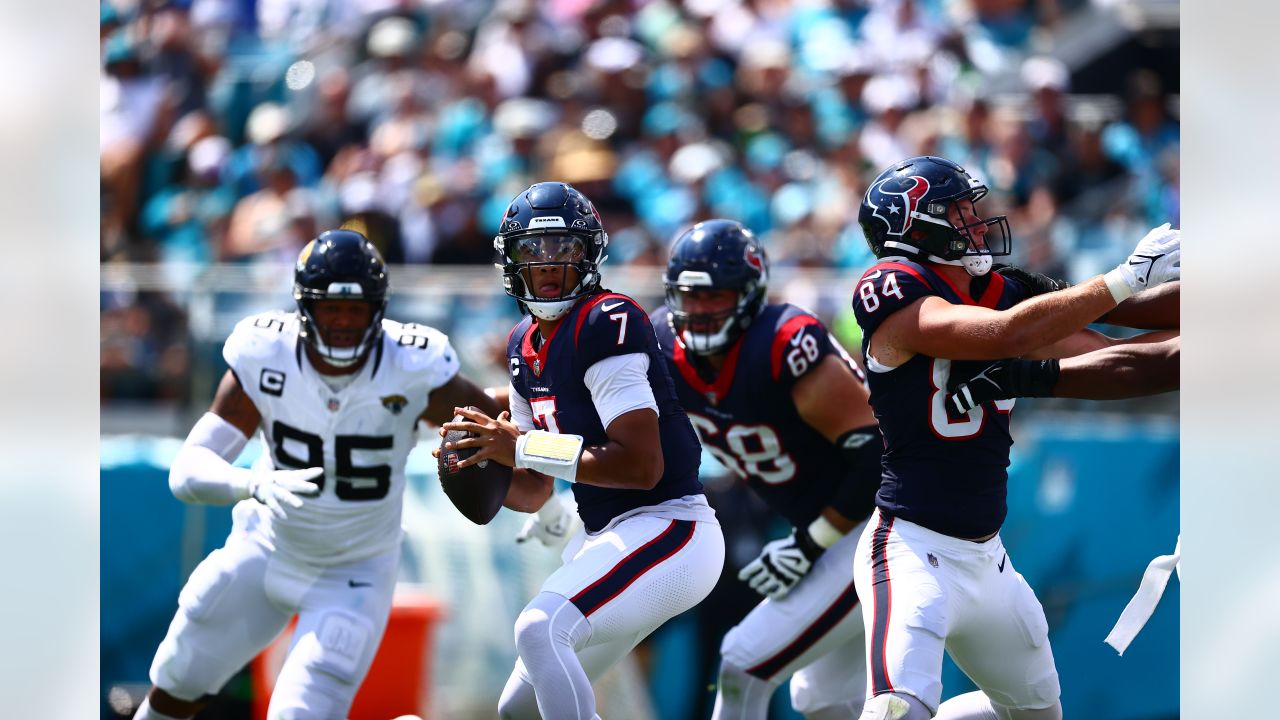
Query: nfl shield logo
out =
(711, 397)
(933, 560)
(333, 405)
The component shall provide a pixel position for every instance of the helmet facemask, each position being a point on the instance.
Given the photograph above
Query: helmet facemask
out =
(314, 333)
(544, 258)
(710, 333)
(939, 231)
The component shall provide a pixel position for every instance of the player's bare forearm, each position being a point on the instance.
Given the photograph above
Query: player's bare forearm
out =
(839, 521)
(529, 490)
(1154, 309)
(1131, 369)
(631, 460)
(937, 328)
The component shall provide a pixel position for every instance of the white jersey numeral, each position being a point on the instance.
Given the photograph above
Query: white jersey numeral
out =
(621, 319)
(943, 425)
(544, 413)
(754, 450)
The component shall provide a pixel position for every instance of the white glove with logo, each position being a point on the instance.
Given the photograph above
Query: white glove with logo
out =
(278, 488)
(1156, 260)
(556, 520)
(781, 564)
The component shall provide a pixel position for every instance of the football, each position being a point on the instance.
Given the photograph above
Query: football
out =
(478, 490)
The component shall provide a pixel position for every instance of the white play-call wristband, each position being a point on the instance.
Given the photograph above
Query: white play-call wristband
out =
(824, 533)
(1120, 288)
(550, 453)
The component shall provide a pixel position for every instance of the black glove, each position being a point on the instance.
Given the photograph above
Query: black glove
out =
(1035, 282)
(1002, 380)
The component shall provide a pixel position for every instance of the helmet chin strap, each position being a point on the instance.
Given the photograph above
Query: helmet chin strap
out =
(975, 265)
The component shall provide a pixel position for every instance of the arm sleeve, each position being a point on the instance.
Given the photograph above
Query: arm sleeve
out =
(521, 412)
(620, 384)
(202, 471)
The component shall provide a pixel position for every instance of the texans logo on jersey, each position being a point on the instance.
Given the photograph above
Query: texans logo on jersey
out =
(895, 199)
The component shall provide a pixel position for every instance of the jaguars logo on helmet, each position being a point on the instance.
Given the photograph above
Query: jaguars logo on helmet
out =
(340, 265)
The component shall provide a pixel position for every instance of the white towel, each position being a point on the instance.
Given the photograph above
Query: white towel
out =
(1144, 602)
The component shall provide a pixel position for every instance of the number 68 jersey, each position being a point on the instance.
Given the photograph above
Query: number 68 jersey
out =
(747, 419)
(360, 433)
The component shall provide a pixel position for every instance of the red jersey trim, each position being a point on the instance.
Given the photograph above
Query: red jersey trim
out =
(788, 330)
(715, 392)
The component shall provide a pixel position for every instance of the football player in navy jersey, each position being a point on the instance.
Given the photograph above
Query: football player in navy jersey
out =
(335, 392)
(591, 402)
(930, 566)
(777, 400)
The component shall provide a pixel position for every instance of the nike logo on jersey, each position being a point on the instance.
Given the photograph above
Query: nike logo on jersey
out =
(607, 308)
(1000, 567)
(354, 584)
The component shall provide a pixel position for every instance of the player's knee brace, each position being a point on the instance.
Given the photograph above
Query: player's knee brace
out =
(895, 706)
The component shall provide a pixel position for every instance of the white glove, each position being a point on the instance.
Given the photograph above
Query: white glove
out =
(284, 487)
(781, 564)
(554, 521)
(1156, 260)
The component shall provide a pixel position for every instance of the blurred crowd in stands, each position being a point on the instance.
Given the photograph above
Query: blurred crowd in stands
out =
(233, 131)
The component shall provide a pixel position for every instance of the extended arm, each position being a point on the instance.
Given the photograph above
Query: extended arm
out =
(458, 392)
(202, 471)
(933, 326)
(1145, 365)
(1154, 309)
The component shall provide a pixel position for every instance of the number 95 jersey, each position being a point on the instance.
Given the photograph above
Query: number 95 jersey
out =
(360, 433)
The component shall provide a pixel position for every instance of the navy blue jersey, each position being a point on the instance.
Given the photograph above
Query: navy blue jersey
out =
(746, 418)
(551, 379)
(945, 472)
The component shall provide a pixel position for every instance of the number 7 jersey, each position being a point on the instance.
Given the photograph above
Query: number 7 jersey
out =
(947, 473)
(360, 433)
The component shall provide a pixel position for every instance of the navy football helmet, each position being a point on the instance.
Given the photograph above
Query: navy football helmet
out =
(916, 209)
(340, 265)
(550, 225)
(715, 255)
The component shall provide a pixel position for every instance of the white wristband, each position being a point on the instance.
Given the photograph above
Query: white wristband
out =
(824, 533)
(1118, 285)
(550, 453)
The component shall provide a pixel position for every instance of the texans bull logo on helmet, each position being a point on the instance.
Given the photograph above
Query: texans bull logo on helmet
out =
(753, 257)
(894, 200)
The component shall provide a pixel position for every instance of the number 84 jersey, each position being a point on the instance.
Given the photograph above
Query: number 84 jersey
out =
(746, 418)
(360, 433)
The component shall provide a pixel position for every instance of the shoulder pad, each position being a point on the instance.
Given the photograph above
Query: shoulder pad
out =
(800, 341)
(611, 324)
(260, 336)
(416, 348)
(886, 288)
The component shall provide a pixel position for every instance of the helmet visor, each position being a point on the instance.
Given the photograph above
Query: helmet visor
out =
(547, 249)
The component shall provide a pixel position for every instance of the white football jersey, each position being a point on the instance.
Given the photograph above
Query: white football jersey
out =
(361, 434)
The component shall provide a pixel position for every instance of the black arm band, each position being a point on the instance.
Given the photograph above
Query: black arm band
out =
(1033, 378)
(861, 448)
